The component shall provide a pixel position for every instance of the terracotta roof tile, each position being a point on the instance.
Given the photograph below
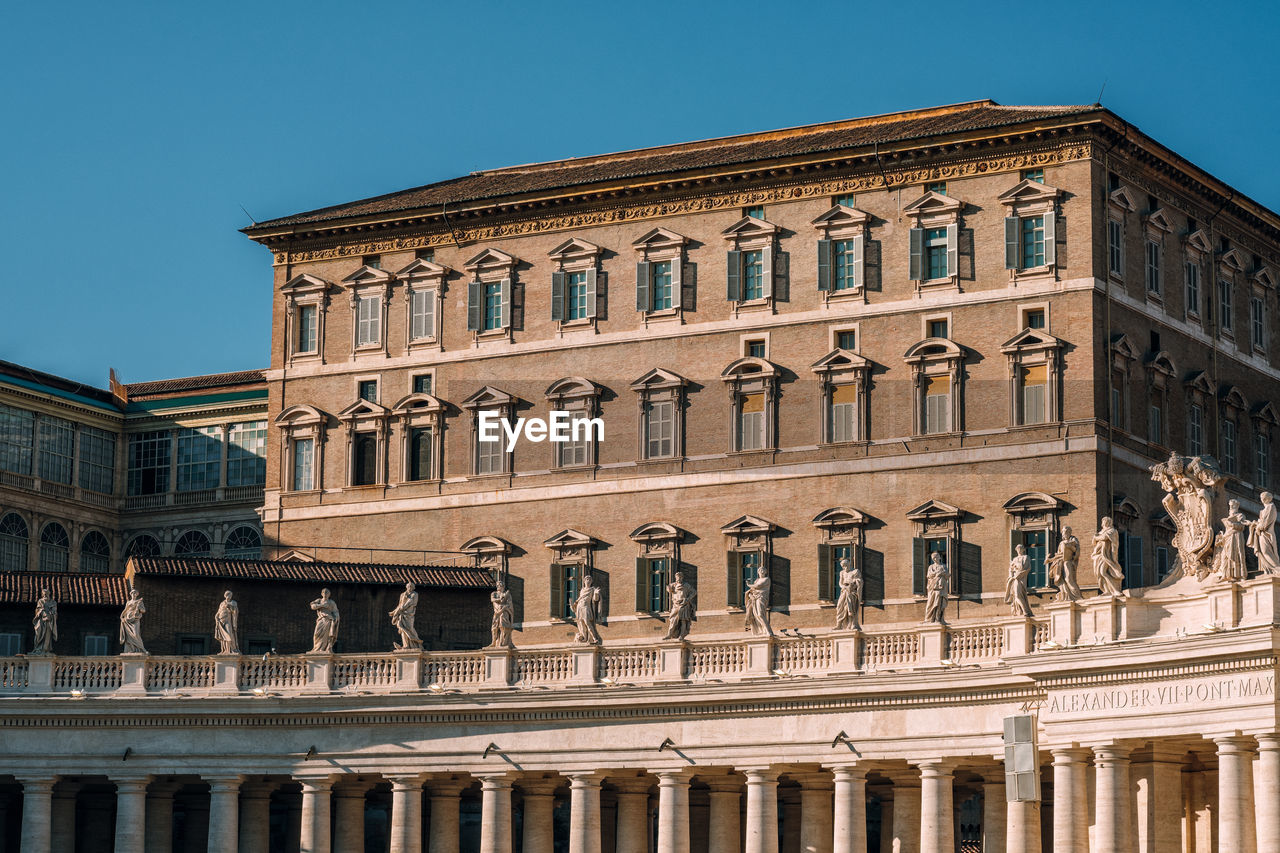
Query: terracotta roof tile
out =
(317, 572)
(194, 383)
(729, 151)
(67, 588)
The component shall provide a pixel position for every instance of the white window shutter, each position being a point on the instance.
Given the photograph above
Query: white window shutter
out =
(953, 250)
(859, 261)
(1050, 237)
(677, 279)
(766, 265)
(504, 321)
(591, 292)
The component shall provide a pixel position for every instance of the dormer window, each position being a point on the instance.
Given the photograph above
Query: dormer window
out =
(750, 263)
(489, 294)
(574, 283)
(841, 251)
(660, 273)
(935, 240)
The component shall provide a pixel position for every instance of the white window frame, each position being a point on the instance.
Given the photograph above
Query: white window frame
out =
(576, 257)
(660, 386)
(369, 287)
(840, 224)
(424, 281)
(933, 211)
(660, 246)
(753, 235)
(493, 266)
(1026, 200)
(297, 423)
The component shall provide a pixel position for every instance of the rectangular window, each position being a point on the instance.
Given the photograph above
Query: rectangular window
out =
(1257, 323)
(847, 340)
(1130, 559)
(754, 349)
(247, 454)
(1224, 305)
(1193, 288)
(937, 404)
(369, 321)
(428, 255)
(566, 583)
(844, 413)
(57, 449)
(1229, 446)
(149, 460)
(939, 187)
(751, 422)
(364, 464)
(193, 645)
(420, 451)
(303, 464)
(1155, 424)
(1032, 242)
(489, 453)
(199, 458)
(1036, 543)
(1153, 267)
(372, 261)
(935, 253)
(1034, 318)
(1036, 175)
(1162, 563)
(845, 256)
(95, 645)
(17, 437)
(1195, 430)
(1035, 386)
(1262, 459)
(576, 296)
(656, 574)
(749, 562)
(422, 315)
(661, 293)
(422, 384)
(753, 274)
(308, 336)
(755, 211)
(97, 460)
(937, 328)
(660, 425)
(1115, 247)
(10, 645)
(367, 389)
(577, 450)
(492, 305)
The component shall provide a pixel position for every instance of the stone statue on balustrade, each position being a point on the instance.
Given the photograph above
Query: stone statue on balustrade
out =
(849, 602)
(586, 610)
(1228, 550)
(1190, 485)
(757, 603)
(937, 585)
(680, 617)
(1262, 537)
(326, 631)
(226, 625)
(1062, 567)
(45, 624)
(1015, 588)
(1106, 547)
(403, 618)
(504, 616)
(131, 625)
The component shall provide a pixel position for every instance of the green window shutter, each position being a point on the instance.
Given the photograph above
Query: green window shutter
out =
(1050, 237)
(953, 250)
(1011, 227)
(677, 280)
(767, 271)
(824, 265)
(591, 292)
(969, 574)
(917, 253)
(557, 296)
(859, 262)
(733, 579)
(475, 306)
(826, 590)
(919, 560)
(505, 322)
(733, 265)
(643, 277)
(643, 591)
(557, 591)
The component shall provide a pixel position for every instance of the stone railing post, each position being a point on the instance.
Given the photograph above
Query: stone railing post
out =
(585, 664)
(760, 655)
(497, 667)
(133, 675)
(408, 670)
(1019, 636)
(672, 657)
(1104, 617)
(39, 675)
(847, 651)
(319, 673)
(226, 674)
(1225, 604)
(933, 644)
(1064, 621)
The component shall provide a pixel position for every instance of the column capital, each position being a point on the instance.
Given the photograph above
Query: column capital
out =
(932, 768)
(495, 781)
(1268, 741)
(813, 780)
(632, 784)
(1112, 753)
(722, 784)
(584, 778)
(847, 772)
(1070, 754)
(538, 786)
(408, 782)
(223, 784)
(132, 785)
(669, 776)
(1233, 744)
(760, 774)
(316, 784)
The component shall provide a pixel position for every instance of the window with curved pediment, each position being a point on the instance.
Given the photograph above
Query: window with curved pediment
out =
(938, 376)
(842, 532)
(843, 375)
(753, 389)
(366, 424)
(581, 399)
(489, 553)
(302, 432)
(420, 420)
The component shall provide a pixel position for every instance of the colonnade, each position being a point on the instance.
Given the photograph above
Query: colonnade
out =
(1109, 798)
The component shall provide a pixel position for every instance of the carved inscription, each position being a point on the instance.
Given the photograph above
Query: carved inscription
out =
(1140, 698)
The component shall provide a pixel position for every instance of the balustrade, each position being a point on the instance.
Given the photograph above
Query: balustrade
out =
(539, 667)
(176, 673)
(453, 669)
(364, 672)
(273, 672)
(87, 673)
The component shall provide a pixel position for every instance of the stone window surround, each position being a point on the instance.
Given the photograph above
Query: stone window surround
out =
(661, 244)
(1162, 373)
(1196, 248)
(936, 357)
(489, 398)
(490, 553)
(1118, 205)
(748, 534)
(657, 540)
(842, 367)
(659, 385)
(415, 411)
(424, 276)
(933, 210)
(1034, 511)
(749, 234)
(1265, 420)
(937, 520)
(572, 548)
(1232, 406)
(748, 376)
(1033, 198)
(575, 394)
(302, 422)
(1261, 283)
(360, 417)
(751, 337)
(365, 283)
(841, 526)
(489, 267)
(578, 255)
(1032, 348)
(305, 289)
(1123, 355)
(1230, 269)
(839, 223)
(1156, 226)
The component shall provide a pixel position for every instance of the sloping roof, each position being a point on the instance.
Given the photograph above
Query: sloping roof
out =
(38, 380)
(726, 151)
(140, 390)
(67, 588)
(317, 572)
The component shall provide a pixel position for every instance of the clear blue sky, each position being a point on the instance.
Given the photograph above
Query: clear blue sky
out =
(134, 132)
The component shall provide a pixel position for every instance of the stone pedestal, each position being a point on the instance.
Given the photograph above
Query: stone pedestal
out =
(497, 667)
(1260, 601)
(39, 675)
(226, 674)
(1103, 618)
(133, 675)
(933, 644)
(584, 661)
(759, 656)
(1019, 636)
(319, 672)
(671, 659)
(1064, 621)
(1224, 605)
(846, 652)
(408, 671)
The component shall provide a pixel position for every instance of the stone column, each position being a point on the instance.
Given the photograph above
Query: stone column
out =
(1235, 796)
(293, 824)
(789, 811)
(724, 815)
(348, 817)
(446, 808)
(849, 823)
(197, 824)
(762, 810)
(255, 817)
(1070, 801)
(1112, 799)
(907, 830)
(37, 807)
(1158, 799)
(224, 815)
(62, 815)
(315, 816)
(816, 816)
(994, 810)
(495, 814)
(937, 821)
(131, 815)
(1022, 826)
(633, 816)
(539, 807)
(584, 812)
(1266, 791)
(405, 830)
(673, 811)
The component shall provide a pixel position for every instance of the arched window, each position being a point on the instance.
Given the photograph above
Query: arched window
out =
(193, 543)
(95, 553)
(144, 546)
(14, 537)
(55, 548)
(244, 543)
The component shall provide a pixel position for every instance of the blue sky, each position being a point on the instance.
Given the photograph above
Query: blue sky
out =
(135, 132)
